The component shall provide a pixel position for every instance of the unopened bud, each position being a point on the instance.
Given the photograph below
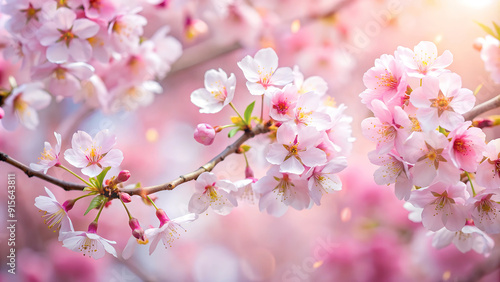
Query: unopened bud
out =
(123, 176)
(2, 113)
(137, 230)
(93, 227)
(248, 172)
(107, 204)
(125, 197)
(162, 216)
(204, 134)
(217, 129)
(483, 123)
(68, 205)
(478, 44)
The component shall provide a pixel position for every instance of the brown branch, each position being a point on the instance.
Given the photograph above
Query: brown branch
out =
(482, 108)
(258, 129)
(30, 173)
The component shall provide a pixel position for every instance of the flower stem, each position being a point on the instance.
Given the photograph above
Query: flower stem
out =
(246, 159)
(238, 113)
(99, 213)
(262, 110)
(471, 186)
(153, 203)
(128, 212)
(76, 175)
(86, 195)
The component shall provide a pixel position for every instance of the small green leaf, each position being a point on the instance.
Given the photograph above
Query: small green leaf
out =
(487, 29)
(248, 112)
(100, 177)
(233, 132)
(497, 28)
(97, 201)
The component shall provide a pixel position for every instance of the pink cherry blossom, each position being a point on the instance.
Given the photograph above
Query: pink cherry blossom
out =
(443, 205)
(204, 134)
(466, 146)
(92, 155)
(245, 192)
(22, 103)
(101, 9)
(490, 54)
(168, 231)
(441, 102)
(340, 132)
(211, 192)
(296, 148)
(307, 112)
(65, 37)
(388, 129)
(431, 161)
(393, 169)
(314, 84)
(488, 172)
(283, 103)
(324, 179)
(126, 29)
(50, 156)
(132, 95)
(163, 42)
(218, 92)
(386, 81)
(63, 79)
(88, 243)
(468, 238)
(279, 190)
(485, 210)
(424, 60)
(55, 214)
(262, 71)
(26, 16)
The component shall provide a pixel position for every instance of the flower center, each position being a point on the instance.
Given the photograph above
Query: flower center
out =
(387, 80)
(54, 219)
(31, 12)
(67, 36)
(281, 107)
(441, 103)
(460, 146)
(434, 155)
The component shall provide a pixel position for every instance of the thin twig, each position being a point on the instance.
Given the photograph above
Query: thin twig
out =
(30, 173)
(258, 129)
(482, 108)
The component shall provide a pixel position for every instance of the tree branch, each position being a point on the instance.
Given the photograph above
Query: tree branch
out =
(68, 186)
(484, 107)
(258, 129)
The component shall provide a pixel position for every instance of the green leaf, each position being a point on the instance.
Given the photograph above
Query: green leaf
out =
(487, 29)
(233, 132)
(97, 201)
(100, 177)
(497, 28)
(248, 112)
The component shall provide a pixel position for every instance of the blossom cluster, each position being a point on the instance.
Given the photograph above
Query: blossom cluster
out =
(95, 156)
(438, 162)
(92, 51)
(309, 137)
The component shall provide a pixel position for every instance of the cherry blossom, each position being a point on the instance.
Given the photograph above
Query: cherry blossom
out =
(55, 214)
(307, 112)
(386, 81)
(22, 103)
(443, 205)
(102, 9)
(92, 155)
(314, 84)
(393, 169)
(26, 16)
(88, 243)
(488, 172)
(441, 102)
(389, 129)
(218, 92)
(296, 148)
(283, 102)
(490, 54)
(50, 156)
(65, 37)
(204, 134)
(324, 179)
(279, 190)
(168, 231)
(245, 191)
(485, 210)
(262, 72)
(424, 60)
(466, 146)
(131, 95)
(468, 238)
(125, 30)
(211, 192)
(63, 79)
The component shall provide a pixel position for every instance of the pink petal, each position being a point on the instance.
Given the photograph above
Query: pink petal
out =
(58, 52)
(84, 28)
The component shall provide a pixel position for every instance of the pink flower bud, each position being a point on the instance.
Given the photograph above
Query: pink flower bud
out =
(123, 176)
(248, 172)
(107, 204)
(68, 205)
(2, 113)
(204, 134)
(93, 227)
(162, 216)
(125, 197)
(137, 230)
